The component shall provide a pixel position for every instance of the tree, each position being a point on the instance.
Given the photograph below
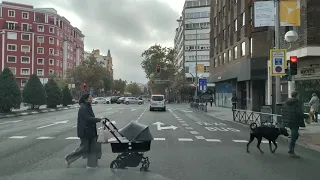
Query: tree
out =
(67, 98)
(34, 93)
(54, 95)
(89, 71)
(134, 89)
(107, 83)
(119, 85)
(10, 94)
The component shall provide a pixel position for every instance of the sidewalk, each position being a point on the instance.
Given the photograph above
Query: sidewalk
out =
(309, 136)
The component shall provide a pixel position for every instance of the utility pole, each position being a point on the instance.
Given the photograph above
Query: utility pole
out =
(277, 46)
(196, 78)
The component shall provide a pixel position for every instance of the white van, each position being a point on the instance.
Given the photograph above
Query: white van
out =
(157, 102)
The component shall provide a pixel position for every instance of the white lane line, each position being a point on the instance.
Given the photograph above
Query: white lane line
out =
(194, 132)
(240, 141)
(109, 109)
(46, 126)
(182, 121)
(159, 139)
(200, 137)
(189, 128)
(179, 119)
(74, 126)
(6, 122)
(23, 114)
(72, 138)
(185, 124)
(35, 112)
(18, 137)
(141, 115)
(213, 140)
(185, 139)
(45, 137)
(133, 109)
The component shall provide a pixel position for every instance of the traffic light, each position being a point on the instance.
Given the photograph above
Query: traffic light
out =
(158, 68)
(115, 91)
(152, 81)
(293, 65)
(84, 85)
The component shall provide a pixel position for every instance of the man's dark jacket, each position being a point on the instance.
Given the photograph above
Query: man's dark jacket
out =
(292, 113)
(86, 125)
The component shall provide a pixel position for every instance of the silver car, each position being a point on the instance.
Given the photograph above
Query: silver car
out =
(99, 100)
(132, 100)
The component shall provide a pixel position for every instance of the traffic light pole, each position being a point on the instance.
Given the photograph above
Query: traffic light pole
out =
(277, 46)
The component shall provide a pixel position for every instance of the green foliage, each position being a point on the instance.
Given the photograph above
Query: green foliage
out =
(10, 94)
(119, 85)
(134, 89)
(108, 82)
(90, 71)
(34, 93)
(54, 95)
(67, 98)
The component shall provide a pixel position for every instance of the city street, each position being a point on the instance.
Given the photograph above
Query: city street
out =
(187, 145)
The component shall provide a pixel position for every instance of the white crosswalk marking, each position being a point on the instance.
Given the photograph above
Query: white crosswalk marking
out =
(194, 132)
(240, 141)
(185, 139)
(17, 137)
(200, 137)
(185, 124)
(189, 128)
(45, 137)
(72, 138)
(213, 140)
(159, 139)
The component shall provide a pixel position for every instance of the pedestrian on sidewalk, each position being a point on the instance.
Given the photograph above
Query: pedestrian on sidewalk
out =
(234, 101)
(211, 101)
(314, 106)
(293, 118)
(87, 132)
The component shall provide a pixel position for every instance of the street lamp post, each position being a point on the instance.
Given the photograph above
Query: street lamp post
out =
(196, 78)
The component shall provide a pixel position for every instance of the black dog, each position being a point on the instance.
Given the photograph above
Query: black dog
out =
(270, 133)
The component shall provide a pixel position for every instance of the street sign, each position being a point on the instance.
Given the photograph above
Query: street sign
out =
(203, 84)
(278, 62)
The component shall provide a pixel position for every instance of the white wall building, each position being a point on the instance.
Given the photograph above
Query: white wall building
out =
(192, 40)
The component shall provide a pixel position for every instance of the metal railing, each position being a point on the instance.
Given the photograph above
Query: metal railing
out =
(199, 106)
(260, 118)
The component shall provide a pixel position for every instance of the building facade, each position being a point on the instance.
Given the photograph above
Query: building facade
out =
(37, 41)
(238, 54)
(106, 61)
(192, 42)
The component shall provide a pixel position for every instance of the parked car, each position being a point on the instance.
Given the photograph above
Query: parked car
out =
(121, 100)
(114, 99)
(132, 100)
(99, 100)
(108, 100)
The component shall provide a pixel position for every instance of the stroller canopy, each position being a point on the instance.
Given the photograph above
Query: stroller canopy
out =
(135, 131)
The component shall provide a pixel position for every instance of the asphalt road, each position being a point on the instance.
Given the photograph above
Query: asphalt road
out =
(188, 146)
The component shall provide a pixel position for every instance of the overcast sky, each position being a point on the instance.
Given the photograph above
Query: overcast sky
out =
(126, 27)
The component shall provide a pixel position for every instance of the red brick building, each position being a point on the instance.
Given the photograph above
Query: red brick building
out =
(37, 41)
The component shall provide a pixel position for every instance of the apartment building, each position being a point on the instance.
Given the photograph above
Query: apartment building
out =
(106, 61)
(37, 41)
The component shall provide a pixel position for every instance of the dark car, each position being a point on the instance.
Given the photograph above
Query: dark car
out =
(114, 99)
(121, 100)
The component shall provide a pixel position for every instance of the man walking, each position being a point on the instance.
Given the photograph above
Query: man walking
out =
(314, 105)
(293, 118)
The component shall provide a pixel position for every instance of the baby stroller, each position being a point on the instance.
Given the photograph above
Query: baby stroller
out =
(134, 140)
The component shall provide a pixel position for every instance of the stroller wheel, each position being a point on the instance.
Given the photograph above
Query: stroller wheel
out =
(115, 164)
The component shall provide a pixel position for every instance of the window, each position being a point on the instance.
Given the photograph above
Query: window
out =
(25, 60)
(58, 62)
(40, 61)
(40, 28)
(13, 70)
(58, 44)
(216, 62)
(25, 15)
(25, 27)
(51, 62)
(197, 15)
(23, 82)
(52, 30)
(51, 71)
(40, 72)
(187, 69)
(11, 13)
(51, 51)
(51, 40)
(230, 55)
(11, 47)
(243, 19)
(235, 25)
(235, 52)
(11, 25)
(243, 48)
(40, 39)
(25, 71)
(40, 50)
(25, 37)
(206, 68)
(12, 35)
(25, 48)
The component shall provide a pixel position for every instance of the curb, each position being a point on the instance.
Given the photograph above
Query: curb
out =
(35, 112)
(282, 138)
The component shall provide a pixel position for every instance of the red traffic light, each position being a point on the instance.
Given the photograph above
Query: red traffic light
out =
(152, 81)
(158, 67)
(293, 59)
(84, 84)
(115, 91)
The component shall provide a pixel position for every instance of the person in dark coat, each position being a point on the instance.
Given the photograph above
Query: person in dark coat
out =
(293, 118)
(87, 132)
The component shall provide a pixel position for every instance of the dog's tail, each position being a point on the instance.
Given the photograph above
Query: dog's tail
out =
(253, 126)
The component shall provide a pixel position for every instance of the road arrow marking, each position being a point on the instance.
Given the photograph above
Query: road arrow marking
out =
(59, 122)
(166, 127)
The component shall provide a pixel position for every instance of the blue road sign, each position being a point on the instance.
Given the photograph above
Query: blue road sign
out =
(203, 84)
(278, 61)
